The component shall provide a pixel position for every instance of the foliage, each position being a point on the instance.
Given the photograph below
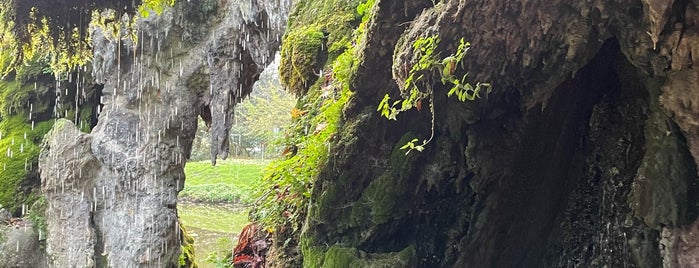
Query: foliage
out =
(8, 45)
(62, 51)
(223, 258)
(157, 6)
(229, 181)
(261, 117)
(258, 129)
(252, 247)
(419, 84)
(289, 180)
(37, 215)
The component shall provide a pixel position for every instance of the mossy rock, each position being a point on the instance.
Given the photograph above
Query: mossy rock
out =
(186, 259)
(19, 145)
(318, 32)
(339, 257)
(16, 98)
(300, 58)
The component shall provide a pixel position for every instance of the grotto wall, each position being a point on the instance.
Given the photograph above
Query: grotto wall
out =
(112, 193)
(584, 154)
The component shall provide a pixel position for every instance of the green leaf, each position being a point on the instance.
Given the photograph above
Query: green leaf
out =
(453, 90)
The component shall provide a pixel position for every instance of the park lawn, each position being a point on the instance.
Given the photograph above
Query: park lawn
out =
(230, 181)
(213, 203)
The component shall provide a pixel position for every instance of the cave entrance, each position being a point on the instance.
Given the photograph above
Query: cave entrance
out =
(573, 151)
(216, 200)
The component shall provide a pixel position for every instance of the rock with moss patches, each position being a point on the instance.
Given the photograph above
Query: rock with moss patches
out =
(521, 177)
(124, 198)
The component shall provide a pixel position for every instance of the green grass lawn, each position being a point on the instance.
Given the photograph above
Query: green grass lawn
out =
(232, 181)
(213, 217)
(214, 227)
(210, 203)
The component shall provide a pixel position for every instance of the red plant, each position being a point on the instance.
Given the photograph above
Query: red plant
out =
(252, 248)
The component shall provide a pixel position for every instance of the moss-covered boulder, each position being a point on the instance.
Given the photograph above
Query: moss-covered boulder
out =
(318, 32)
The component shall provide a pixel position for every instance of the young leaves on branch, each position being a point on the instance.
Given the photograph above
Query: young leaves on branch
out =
(418, 85)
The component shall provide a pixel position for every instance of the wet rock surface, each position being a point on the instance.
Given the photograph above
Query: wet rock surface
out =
(20, 247)
(115, 189)
(580, 156)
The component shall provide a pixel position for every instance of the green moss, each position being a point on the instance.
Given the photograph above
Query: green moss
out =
(313, 256)
(85, 118)
(37, 215)
(300, 58)
(186, 259)
(320, 39)
(318, 32)
(18, 96)
(339, 257)
(19, 150)
(386, 195)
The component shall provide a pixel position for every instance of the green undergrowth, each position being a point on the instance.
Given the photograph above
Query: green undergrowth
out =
(232, 180)
(289, 181)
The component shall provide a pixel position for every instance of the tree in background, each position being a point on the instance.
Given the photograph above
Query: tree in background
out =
(259, 121)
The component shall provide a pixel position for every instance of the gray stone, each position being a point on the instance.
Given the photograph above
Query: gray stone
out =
(4, 215)
(20, 247)
(112, 193)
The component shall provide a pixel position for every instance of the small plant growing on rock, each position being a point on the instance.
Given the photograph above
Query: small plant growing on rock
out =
(418, 84)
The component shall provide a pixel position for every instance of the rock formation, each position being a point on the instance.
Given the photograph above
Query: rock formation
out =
(112, 193)
(584, 153)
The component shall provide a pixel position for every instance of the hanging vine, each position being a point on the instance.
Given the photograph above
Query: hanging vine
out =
(419, 84)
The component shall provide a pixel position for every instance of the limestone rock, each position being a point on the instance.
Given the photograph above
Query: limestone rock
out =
(113, 192)
(70, 193)
(20, 247)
